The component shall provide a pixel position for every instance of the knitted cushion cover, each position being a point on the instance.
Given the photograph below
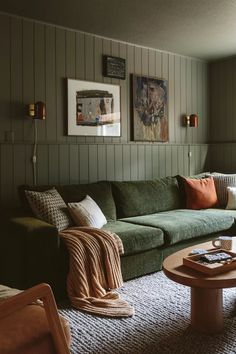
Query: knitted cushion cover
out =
(50, 207)
(221, 184)
(231, 198)
(87, 213)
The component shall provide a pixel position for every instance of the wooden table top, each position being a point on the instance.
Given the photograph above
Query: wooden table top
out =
(175, 270)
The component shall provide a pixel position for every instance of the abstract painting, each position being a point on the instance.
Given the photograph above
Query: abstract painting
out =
(150, 109)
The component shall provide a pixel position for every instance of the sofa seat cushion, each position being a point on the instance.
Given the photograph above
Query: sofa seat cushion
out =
(184, 224)
(136, 238)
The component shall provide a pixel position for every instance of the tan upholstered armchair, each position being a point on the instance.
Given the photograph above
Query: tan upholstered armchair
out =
(29, 328)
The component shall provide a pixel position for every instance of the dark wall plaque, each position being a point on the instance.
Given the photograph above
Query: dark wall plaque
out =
(114, 67)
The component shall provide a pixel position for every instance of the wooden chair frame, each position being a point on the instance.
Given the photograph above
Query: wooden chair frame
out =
(44, 293)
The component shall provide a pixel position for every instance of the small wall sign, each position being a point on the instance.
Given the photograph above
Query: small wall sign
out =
(114, 67)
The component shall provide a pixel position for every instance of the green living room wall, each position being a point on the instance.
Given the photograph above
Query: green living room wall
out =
(222, 104)
(35, 60)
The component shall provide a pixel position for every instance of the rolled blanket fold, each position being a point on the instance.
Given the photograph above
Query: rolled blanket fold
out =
(94, 271)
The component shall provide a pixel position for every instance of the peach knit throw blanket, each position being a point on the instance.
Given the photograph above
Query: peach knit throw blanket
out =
(94, 271)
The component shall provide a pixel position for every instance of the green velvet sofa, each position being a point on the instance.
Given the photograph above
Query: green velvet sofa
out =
(149, 217)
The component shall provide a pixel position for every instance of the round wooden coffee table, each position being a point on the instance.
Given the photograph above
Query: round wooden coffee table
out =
(206, 291)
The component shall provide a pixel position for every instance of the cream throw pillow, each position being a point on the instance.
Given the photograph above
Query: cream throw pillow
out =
(231, 198)
(87, 213)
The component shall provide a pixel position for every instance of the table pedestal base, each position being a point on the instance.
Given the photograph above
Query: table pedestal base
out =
(207, 310)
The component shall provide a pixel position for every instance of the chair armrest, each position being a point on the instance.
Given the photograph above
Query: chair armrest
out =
(43, 292)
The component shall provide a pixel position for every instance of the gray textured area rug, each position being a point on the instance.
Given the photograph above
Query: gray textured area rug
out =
(160, 325)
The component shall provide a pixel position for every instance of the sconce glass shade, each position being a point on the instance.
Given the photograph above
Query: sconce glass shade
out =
(37, 110)
(191, 121)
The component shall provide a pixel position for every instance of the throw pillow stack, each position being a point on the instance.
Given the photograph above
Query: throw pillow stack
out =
(209, 191)
(50, 207)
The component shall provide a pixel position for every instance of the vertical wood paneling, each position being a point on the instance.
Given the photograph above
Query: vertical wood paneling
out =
(177, 99)
(83, 163)
(134, 162)
(171, 105)
(194, 97)
(17, 111)
(50, 83)
(233, 100)
(28, 75)
(180, 159)
(141, 162)
(151, 63)
(189, 94)
(126, 163)
(34, 62)
(53, 164)
(158, 65)
(110, 162)
(74, 164)
(155, 161)
(102, 166)
(144, 61)
(229, 99)
(200, 103)
(5, 75)
(148, 162)
(7, 174)
(64, 164)
(174, 160)
(42, 165)
(162, 160)
(28, 165)
(186, 161)
(19, 172)
(183, 98)
(205, 98)
(60, 83)
(93, 163)
(168, 171)
(39, 72)
(118, 163)
(137, 60)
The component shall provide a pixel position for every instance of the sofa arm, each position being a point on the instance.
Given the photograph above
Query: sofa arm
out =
(32, 252)
(34, 230)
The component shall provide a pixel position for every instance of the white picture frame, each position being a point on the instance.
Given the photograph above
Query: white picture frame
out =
(93, 108)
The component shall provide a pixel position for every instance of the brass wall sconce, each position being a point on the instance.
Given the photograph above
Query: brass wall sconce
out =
(37, 110)
(191, 121)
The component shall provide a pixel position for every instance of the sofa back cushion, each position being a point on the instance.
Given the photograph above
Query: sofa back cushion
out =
(146, 197)
(100, 192)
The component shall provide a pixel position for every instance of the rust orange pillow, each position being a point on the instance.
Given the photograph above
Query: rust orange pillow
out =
(201, 193)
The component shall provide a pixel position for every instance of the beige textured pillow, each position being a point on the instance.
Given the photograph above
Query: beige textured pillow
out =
(87, 213)
(231, 198)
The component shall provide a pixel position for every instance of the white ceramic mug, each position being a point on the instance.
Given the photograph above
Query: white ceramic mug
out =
(224, 242)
